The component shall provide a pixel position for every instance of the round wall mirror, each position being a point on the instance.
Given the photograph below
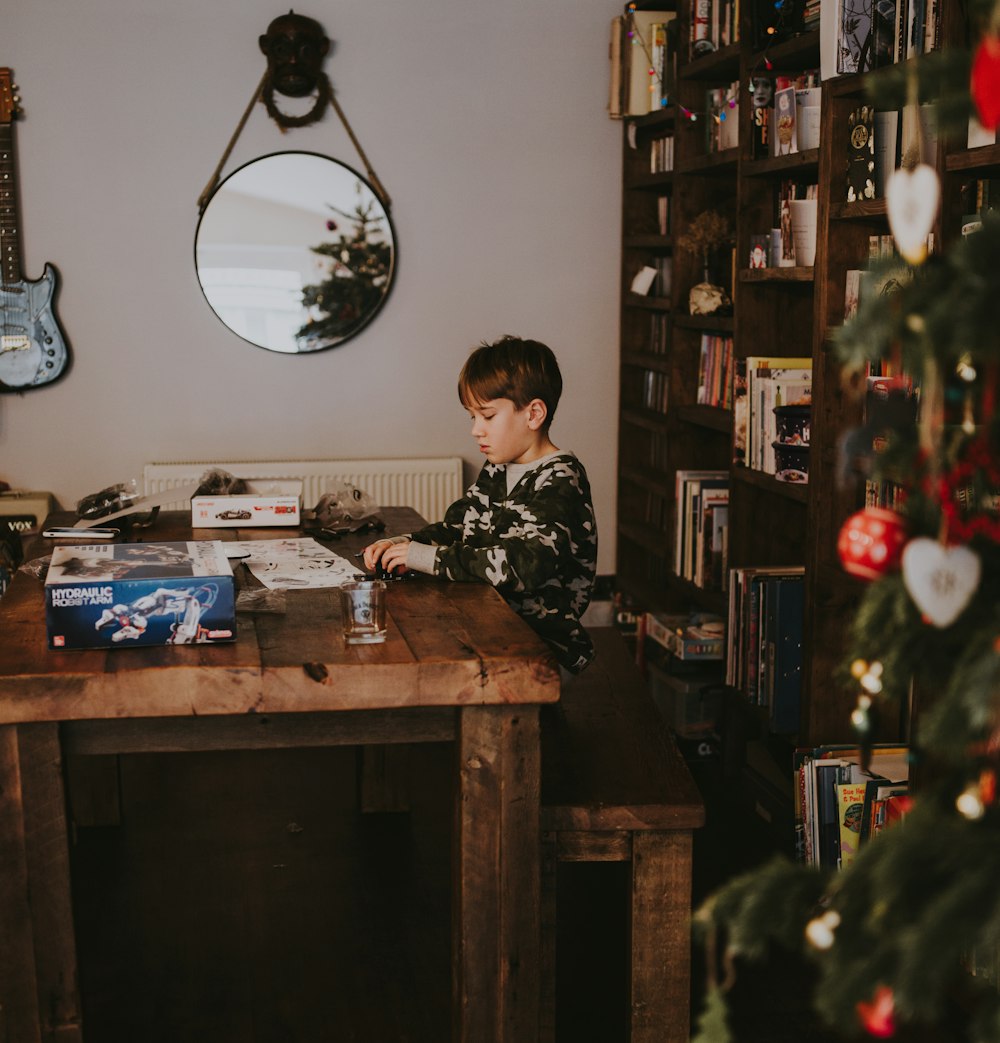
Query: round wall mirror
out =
(295, 252)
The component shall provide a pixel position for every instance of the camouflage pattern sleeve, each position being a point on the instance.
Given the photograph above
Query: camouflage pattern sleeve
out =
(537, 545)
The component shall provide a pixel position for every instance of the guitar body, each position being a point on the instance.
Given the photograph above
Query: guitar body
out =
(32, 345)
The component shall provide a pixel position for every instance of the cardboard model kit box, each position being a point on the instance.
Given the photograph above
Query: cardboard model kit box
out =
(696, 636)
(134, 594)
(266, 502)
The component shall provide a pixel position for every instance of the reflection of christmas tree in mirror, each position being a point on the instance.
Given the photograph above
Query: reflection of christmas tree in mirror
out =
(356, 275)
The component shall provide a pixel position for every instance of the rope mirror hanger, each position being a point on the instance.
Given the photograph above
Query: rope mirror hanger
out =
(295, 47)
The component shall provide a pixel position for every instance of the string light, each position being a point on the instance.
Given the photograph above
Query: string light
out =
(656, 78)
(772, 34)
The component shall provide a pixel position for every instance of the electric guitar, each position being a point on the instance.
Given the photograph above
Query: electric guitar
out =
(33, 348)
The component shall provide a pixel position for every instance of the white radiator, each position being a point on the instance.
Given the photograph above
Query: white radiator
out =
(427, 484)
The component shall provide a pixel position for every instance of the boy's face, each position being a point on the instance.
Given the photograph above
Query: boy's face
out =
(505, 434)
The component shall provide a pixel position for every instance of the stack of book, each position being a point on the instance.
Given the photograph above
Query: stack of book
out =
(760, 385)
(713, 24)
(715, 371)
(764, 641)
(702, 531)
(839, 805)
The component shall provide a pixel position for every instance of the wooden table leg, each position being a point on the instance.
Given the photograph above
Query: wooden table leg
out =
(39, 995)
(496, 886)
(661, 937)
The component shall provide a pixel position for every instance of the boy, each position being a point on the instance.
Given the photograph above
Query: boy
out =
(527, 524)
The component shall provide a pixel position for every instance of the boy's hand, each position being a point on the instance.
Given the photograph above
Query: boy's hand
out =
(392, 556)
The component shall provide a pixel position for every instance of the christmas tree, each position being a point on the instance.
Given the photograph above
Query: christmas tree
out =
(907, 937)
(357, 276)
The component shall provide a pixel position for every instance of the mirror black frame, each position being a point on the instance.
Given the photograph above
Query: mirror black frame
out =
(372, 199)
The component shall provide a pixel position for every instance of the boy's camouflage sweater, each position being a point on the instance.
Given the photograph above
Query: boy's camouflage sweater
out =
(537, 545)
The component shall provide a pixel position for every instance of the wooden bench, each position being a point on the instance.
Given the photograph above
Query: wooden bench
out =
(615, 788)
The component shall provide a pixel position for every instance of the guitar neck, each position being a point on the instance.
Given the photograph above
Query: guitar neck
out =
(10, 246)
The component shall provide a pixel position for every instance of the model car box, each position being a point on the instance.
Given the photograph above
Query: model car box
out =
(267, 502)
(24, 512)
(694, 636)
(131, 594)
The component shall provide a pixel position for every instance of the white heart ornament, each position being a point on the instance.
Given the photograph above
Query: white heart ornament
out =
(941, 580)
(911, 199)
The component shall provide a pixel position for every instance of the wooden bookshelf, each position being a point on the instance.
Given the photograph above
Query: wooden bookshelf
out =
(783, 312)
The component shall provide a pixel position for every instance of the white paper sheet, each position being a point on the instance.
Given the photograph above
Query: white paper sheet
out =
(295, 564)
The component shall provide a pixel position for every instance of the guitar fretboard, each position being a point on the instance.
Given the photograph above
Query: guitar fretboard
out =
(10, 254)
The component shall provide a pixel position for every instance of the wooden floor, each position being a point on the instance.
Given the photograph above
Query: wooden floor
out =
(245, 899)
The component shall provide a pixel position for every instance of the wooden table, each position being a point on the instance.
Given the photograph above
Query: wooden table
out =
(457, 665)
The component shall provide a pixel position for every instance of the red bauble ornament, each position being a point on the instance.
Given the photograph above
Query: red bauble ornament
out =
(871, 542)
(985, 85)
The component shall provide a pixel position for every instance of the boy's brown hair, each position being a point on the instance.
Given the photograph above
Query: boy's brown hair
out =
(521, 370)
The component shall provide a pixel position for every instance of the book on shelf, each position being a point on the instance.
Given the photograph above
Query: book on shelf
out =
(697, 496)
(881, 806)
(654, 390)
(978, 197)
(852, 292)
(850, 805)
(711, 540)
(701, 17)
(886, 131)
(884, 33)
(771, 381)
(784, 605)
(854, 53)
(829, 39)
(761, 115)
(788, 191)
(860, 154)
(857, 36)
(659, 334)
(784, 138)
(739, 401)
(713, 24)
(918, 136)
(658, 47)
(840, 805)
(764, 640)
(880, 247)
(920, 27)
(661, 154)
(715, 370)
(808, 100)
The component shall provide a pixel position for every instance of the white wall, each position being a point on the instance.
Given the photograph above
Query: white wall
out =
(485, 122)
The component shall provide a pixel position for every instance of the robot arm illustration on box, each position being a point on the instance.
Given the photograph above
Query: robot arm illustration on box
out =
(186, 605)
